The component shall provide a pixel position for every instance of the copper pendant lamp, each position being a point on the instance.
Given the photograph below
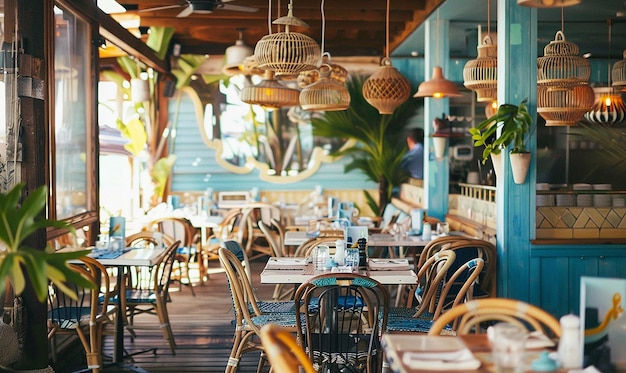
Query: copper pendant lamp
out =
(437, 86)
(386, 88)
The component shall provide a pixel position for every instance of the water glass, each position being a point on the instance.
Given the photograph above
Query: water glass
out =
(103, 241)
(322, 254)
(443, 228)
(116, 243)
(509, 347)
(352, 258)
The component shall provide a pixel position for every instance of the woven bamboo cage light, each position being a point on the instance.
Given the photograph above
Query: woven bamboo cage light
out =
(326, 94)
(481, 75)
(287, 52)
(337, 73)
(564, 106)
(386, 88)
(563, 94)
(269, 93)
(619, 73)
(547, 3)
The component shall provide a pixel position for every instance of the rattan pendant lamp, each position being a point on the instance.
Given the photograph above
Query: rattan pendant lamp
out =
(608, 108)
(563, 92)
(386, 88)
(287, 53)
(269, 93)
(481, 75)
(619, 73)
(326, 94)
(437, 86)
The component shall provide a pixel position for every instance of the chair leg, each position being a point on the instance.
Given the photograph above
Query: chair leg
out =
(166, 327)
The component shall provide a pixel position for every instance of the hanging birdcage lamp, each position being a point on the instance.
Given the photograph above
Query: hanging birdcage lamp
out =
(563, 92)
(326, 94)
(287, 53)
(619, 73)
(386, 88)
(481, 75)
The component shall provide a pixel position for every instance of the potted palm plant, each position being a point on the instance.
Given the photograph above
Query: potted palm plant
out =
(20, 264)
(514, 124)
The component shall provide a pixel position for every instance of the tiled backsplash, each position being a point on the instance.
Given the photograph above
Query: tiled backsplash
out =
(580, 222)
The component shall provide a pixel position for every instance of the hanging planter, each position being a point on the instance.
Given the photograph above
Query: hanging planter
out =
(440, 143)
(496, 161)
(510, 126)
(520, 162)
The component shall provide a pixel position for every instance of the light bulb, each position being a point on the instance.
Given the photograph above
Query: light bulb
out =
(607, 100)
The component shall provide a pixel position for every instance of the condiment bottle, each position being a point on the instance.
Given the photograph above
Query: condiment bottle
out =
(362, 242)
(340, 252)
(569, 344)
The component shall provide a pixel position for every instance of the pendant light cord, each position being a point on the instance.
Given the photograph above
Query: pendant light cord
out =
(608, 70)
(323, 26)
(387, 30)
(489, 18)
(269, 17)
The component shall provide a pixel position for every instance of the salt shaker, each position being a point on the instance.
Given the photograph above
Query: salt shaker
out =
(426, 232)
(569, 345)
(340, 252)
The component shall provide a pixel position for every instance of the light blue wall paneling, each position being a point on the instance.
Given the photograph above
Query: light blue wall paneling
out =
(196, 168)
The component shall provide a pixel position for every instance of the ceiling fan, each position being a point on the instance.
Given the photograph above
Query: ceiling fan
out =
(202, 7)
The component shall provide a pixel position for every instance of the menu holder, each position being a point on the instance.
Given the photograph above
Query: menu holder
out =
(384, 264)
(287, 263)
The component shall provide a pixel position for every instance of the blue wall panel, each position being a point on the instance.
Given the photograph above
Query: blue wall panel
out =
(196, 168)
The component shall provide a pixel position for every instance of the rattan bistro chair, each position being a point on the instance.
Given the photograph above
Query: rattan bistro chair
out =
(147, 292)
(475, 315)
(340, 320)
(283, 351)
(180, 229)
(249, 319)
(84, 316)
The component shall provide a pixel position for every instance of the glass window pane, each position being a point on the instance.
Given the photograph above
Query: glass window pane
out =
(72, 87)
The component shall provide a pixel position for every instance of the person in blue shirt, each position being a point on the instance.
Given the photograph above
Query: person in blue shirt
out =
(413, 160)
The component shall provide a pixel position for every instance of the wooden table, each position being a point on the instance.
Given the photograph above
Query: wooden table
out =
(296, 238)
(142, 257)
(298, 276)
(397, 344)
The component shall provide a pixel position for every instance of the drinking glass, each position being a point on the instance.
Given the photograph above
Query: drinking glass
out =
(443, 228)
(509, 347)
(352, 258)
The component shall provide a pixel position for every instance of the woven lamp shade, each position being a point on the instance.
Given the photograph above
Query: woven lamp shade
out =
(564, 106)
(337, 73)
(481, 75)
(561, 66)
(618, 74)
(386, 88)
(608, 109)
(287, 53)
(269, 93)
(249, 66)
(326, 94)
(547, 3)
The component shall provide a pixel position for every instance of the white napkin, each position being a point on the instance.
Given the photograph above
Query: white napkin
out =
(537, 339)
(441, 360)
(286, 263)
(388, 264)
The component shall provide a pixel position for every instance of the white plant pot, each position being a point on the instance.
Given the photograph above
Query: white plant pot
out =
(440, 146)
(519, 165)
(496, 160)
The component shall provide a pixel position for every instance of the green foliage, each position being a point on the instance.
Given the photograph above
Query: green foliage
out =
(17, 261)
(135, 131)
(611, 148)
(160, 172)
(187, 64)
(380, 139)
(159, 40)
(515, 124)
